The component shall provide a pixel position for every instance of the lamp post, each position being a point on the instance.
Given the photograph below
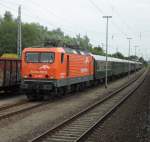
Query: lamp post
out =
(135, 56)
(128, 38)
(107, 18)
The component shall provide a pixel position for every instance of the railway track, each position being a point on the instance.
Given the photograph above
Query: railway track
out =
(78, 127)
(7, 106)
(19, 107)
(16, 108)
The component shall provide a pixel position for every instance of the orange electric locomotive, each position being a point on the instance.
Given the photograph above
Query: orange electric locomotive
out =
(54, 70)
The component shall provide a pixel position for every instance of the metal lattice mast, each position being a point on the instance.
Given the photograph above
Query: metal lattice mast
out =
(19, 42)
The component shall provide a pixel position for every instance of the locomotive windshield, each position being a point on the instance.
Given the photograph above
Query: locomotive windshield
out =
(32, 57)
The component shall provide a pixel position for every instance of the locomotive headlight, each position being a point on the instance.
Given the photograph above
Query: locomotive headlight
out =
(25, 76)
(51, 77)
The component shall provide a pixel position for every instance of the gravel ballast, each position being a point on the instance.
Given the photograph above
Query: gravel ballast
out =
(25, 126)
(129, 122)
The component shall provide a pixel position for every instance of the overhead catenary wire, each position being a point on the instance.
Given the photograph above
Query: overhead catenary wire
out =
(103, 13)
(67, 23)
(97, 7)
(45, 11)
(27, 14)
(119, 16)
(7, 7)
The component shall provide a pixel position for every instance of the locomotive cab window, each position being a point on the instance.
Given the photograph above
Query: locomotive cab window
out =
(47, 57)
(32, 57)
(40, 57)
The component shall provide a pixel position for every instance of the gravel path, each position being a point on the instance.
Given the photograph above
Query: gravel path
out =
(28, 125)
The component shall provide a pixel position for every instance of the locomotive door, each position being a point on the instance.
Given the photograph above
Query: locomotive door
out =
(67, 67)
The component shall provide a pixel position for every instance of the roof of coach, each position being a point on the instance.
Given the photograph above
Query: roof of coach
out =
(112, 59)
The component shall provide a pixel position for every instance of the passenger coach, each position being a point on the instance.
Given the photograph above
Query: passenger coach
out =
(115, 67)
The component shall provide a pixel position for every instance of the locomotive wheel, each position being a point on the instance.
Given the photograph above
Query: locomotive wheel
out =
(73, 88)
(60, 92)
(77, 87)
(39, 97)
(31, 97)
(36, 97)
(82, 86)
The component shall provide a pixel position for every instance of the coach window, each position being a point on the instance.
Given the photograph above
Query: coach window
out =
(62, 58)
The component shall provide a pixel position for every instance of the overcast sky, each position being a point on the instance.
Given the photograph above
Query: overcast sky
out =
(129, 18)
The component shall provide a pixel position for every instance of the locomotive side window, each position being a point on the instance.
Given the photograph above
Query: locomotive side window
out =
(40, 57)
(62, 57)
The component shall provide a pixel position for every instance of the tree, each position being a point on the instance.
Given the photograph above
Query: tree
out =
(8, 16)
(141, 59)
(70, 42)
(133, 58)
(33, 35)
(8, 34)
(54, 38)
(97, 50)
(83, 42)
(118, 55)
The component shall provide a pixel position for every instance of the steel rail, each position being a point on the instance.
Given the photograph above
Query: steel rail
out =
(79, 128)
(9, 111)
(106, 115)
